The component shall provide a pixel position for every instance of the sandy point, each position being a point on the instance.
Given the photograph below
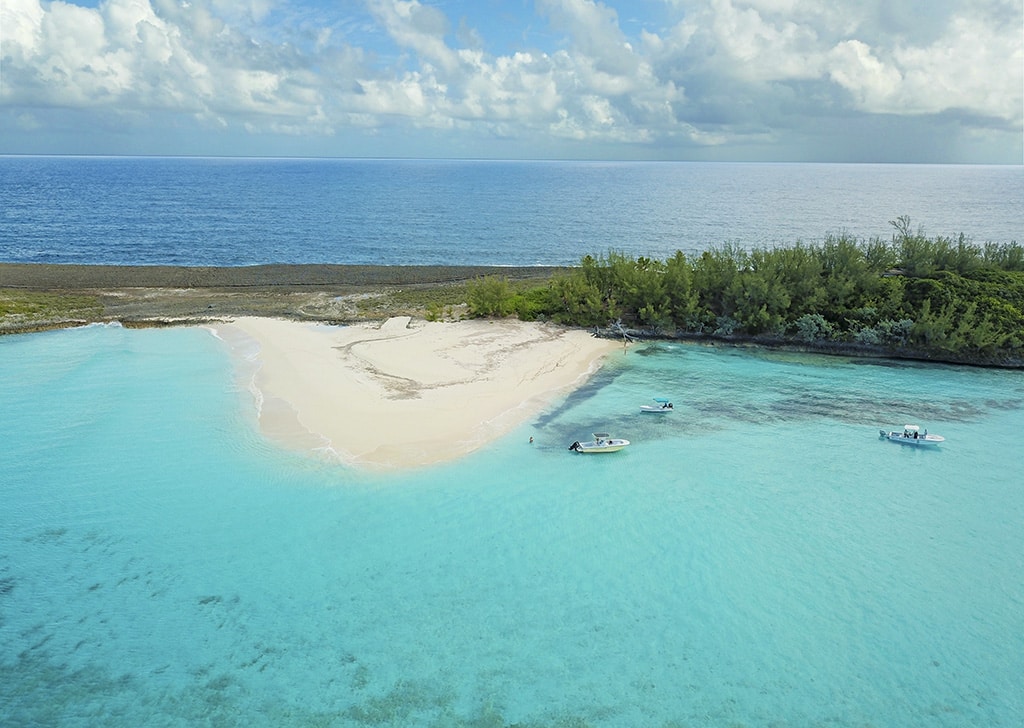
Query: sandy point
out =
(406, 393)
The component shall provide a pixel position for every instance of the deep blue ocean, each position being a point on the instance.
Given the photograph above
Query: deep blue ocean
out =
(189, 211)
(758, 557)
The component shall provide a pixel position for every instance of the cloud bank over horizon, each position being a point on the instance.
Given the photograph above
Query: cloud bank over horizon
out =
(772, 80)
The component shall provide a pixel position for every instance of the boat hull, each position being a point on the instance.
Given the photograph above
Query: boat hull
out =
(919, 441)
(598, 447)
(601, 448)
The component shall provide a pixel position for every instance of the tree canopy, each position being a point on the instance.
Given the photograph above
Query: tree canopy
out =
(942, 298)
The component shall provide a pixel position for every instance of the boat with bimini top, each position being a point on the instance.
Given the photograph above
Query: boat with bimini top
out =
(602, 442)
(663, 406)
(911, 435)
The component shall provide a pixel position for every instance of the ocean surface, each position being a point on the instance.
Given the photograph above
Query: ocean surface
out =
(757, 557)
(230, 212)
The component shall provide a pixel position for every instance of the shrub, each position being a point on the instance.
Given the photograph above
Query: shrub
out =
(813, 327)
(726, 326)
(490, 296)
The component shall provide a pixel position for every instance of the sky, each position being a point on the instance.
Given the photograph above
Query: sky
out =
(903, 81)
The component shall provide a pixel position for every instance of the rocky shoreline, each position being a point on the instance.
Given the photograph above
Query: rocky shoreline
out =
(169, 295)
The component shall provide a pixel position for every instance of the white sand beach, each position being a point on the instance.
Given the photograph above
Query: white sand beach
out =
(407, 393)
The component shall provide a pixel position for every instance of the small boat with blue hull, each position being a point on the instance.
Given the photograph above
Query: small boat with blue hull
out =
(602, 442)
(911, 435)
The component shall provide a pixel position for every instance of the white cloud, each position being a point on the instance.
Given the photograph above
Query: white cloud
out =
(127, 57)
(419, 28)
(762, 48)
(593, 33)
(720, 72)
(858, 70)
(974, 66)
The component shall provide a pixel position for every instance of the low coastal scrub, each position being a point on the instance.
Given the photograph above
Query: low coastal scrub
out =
(28, 305)
(934, 298)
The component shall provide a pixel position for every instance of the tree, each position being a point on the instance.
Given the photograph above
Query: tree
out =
(915, 251)
(1007, 257)
(713, 273)
(759, 296)
(490, 296)
(799, 271)
(957, 300)
(576, 300)
(847, 279)
(682, 301)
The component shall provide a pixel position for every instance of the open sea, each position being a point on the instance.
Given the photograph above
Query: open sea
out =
(196, 211)
(758, 557)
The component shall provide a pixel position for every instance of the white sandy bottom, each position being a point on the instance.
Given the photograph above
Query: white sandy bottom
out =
(406, 394)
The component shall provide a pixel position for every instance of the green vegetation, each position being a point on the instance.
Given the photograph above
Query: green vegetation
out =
(499, 297)
(434, 303)
(29, 305)
(939, 298)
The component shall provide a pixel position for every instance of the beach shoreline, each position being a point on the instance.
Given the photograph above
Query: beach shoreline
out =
(341, 361)
(405, 393)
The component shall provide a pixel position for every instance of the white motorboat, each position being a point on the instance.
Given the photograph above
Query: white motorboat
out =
(602, 442)
(663, 406)
(911, 435)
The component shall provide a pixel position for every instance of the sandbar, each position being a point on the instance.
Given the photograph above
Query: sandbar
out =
(406, 393)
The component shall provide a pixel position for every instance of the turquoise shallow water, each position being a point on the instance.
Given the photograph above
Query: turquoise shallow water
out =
(758, 557)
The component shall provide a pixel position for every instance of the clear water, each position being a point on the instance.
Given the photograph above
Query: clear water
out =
(758, 557)
(173, 211)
